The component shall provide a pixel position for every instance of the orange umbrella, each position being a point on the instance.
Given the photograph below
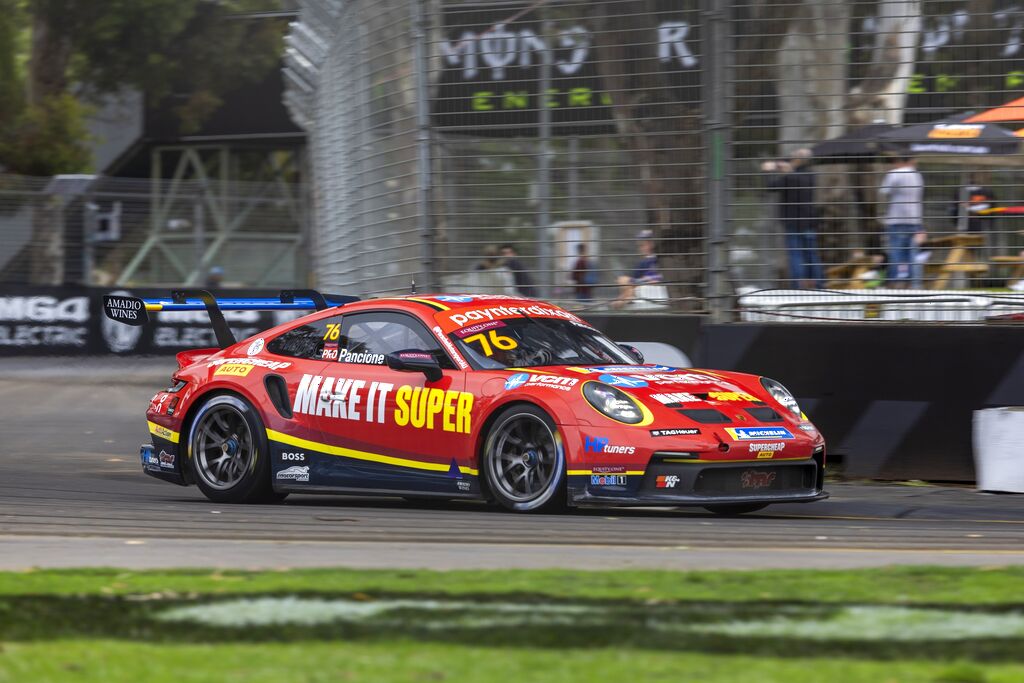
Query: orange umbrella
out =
(1011, 111)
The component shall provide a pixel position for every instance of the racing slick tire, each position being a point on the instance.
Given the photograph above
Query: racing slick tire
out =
(523, 461)
(228, 452)
(727, 510)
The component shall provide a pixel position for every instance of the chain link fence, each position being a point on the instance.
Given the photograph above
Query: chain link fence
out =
(696, 156)
(93, 230)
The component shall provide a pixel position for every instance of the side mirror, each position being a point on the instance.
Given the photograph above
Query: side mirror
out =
(415, 361)
(633, 352)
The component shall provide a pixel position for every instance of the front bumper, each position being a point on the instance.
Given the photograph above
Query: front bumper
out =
(163, 464)
(682, 483)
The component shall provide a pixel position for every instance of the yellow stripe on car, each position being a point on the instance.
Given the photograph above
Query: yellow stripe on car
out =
(435, 304)
(343, 452)
(162, 432)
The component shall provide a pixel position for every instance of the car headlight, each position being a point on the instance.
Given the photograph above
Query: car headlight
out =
(781, 394)
(613, 402)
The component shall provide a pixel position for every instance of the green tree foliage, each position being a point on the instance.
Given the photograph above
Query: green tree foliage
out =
(189, 53)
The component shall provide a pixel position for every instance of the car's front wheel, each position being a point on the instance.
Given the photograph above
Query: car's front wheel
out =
(229, 453)
(523, 461)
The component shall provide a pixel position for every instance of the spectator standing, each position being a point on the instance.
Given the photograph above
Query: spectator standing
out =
(490, 260)
(795, 183)
(902, 191)
(214, 278)
(645, 273)
(583, 275)
(524, 285)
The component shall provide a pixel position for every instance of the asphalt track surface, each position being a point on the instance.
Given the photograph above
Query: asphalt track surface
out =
(73, 494)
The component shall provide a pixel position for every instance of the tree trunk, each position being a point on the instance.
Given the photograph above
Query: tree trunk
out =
(663, 135)
(47, 79)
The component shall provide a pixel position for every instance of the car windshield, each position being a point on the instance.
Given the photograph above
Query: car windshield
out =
(531, 342)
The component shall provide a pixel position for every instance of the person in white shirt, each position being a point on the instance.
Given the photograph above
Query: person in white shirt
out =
(902, 191)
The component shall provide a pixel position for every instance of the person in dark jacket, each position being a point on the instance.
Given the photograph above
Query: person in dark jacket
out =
(524, 284)
(794, 183)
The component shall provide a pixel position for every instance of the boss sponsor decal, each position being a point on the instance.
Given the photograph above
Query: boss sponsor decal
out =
(294, 473)
(346, 356)
(773, 447)
(666, 481)
(808, 427)
(669, 399)
(234, 369)
(627, 382)
(298, 457)
(521, 379)
(450, 348)
(255, 362)
(686, 431)
(478, 328)
(478, 315)
(608, 480)
(758, 433)
(599, 444)
(417, 407)
(344, 452)
(730, 396)
(756, 479)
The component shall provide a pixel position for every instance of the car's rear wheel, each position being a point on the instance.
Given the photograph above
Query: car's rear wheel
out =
(229, 453)
(727, 510)
(523, 461)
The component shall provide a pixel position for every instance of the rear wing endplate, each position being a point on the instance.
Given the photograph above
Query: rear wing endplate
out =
(132, 311)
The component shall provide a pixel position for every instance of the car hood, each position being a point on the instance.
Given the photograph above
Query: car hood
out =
(680, 389)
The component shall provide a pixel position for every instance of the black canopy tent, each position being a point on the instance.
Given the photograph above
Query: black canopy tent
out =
(951, 137)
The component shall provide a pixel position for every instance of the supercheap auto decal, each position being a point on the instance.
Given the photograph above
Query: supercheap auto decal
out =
(417, 407)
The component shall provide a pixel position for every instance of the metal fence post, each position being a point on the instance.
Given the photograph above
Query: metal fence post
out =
(717, 45)
(545, 153)
(425, 190)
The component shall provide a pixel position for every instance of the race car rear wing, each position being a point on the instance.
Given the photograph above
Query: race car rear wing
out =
(132, 311)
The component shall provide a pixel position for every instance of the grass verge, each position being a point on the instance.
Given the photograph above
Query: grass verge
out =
(935, 625)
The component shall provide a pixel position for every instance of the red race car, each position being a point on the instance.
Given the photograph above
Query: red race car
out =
(511, 400)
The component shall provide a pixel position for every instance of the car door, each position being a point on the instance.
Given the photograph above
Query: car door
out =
(293, 430)
(393, 430)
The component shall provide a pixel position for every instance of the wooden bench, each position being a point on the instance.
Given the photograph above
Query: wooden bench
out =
(959, 262)
(1016, 261)
(849, 275)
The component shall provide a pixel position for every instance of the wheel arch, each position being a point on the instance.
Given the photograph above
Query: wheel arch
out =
(195, 405)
